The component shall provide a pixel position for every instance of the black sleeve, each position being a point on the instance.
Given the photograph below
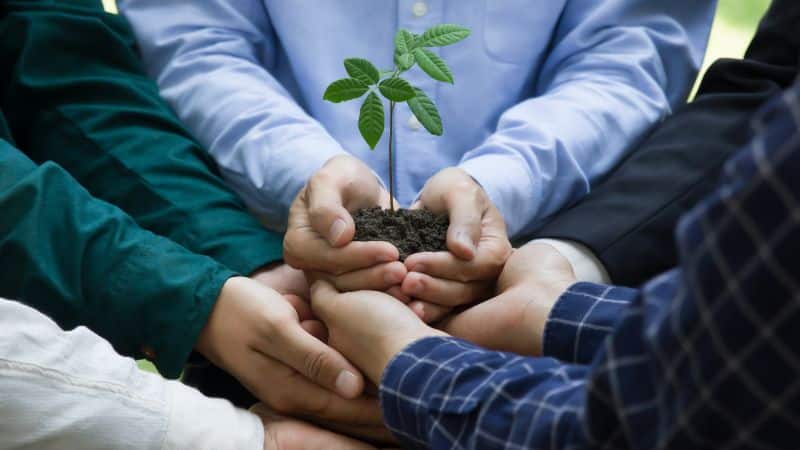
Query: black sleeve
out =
(629, 218)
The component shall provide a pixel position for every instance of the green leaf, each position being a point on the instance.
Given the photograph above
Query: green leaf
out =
(396, 89)
(345, 89)
(404, 61)
(404, 41)
(370, 120)
(442, 35)
(433, 65)
(362, 70)
(425, 111)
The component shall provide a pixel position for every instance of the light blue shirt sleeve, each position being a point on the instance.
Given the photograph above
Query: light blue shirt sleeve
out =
(616, 68)
(211, 60)
(549, 94)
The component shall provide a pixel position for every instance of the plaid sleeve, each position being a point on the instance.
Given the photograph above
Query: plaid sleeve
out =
(706, 356)
(582, 317)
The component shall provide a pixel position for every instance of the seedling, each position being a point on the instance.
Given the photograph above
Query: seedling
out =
(365, 78)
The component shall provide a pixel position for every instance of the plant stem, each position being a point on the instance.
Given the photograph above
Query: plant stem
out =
(391, 156)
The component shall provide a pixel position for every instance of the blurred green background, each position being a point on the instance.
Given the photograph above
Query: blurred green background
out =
(734, 26)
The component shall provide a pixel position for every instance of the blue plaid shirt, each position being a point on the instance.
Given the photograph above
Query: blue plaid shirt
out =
(704, 356)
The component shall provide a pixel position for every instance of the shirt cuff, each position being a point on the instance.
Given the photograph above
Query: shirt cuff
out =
(197, 422)
(585, 265)
(582, 318)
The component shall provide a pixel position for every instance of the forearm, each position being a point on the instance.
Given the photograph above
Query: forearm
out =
(70, 390)
(216, 57)
(643, 198)
(84, 262)
(126, 146)
(609, 77)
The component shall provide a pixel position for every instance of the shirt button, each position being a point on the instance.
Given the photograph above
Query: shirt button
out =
(414, 123)
(419, 9)
(149, 353)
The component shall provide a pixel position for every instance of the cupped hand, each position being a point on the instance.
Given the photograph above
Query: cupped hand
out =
(256, 335)
(368, 327)
(478, 244)
(283, 433)
(533, 279)
(319, 236)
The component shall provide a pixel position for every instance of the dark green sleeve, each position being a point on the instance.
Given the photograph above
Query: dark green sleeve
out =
(84, 262)
(74, 92)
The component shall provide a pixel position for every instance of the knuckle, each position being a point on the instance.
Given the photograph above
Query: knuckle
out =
(283, 402)
(314, 365)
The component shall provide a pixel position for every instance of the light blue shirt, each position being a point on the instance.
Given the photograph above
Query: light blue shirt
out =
(548, 94)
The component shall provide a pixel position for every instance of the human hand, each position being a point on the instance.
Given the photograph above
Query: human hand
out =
(368, 327)
(533, 278)
(477, 241)
(319, 237)
(256, 335)
(283, 433)
(282, 278)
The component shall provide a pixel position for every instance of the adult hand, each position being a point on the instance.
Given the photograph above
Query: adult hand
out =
(477, 241)
(319, 237)
(283, 433)
(256, 335)
(368, 327)
(282, 278)
(533, 279)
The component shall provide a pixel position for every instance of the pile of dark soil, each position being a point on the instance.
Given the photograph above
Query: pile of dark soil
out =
(411, 231)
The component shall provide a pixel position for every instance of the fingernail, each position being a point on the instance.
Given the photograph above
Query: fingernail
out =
(347, 384)
(337, 229)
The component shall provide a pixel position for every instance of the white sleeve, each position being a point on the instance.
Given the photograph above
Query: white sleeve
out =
(70, 390)
(585, 265)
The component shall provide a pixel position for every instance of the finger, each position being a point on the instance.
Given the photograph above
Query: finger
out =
(317, 362)
(303, 435)
(326, 212)
(299, 396)
(376, 278)
(428, 312)
(306, 251)
(465, 211)
(372, 433)
(302, 307)
(445, 292)
(447, 266)
(316, 329)
(397, 292)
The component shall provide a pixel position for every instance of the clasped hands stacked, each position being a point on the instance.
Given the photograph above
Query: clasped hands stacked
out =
(305, 351)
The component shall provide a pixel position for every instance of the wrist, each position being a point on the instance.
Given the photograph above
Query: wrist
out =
(392, 345)
(206, 341)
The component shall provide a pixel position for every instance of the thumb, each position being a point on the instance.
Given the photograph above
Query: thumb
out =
(326, 211)
(319, 363)
(323, 294)
(466, 214)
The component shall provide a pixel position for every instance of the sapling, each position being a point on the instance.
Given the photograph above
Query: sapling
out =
(365, 80)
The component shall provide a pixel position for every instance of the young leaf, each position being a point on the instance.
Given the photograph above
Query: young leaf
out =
(345, 89)
(425, 111)
(433, 65)
(442, 35)
(404, 61)
(370, 120)
(362, 70)
(403, 41)
(396, 89)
